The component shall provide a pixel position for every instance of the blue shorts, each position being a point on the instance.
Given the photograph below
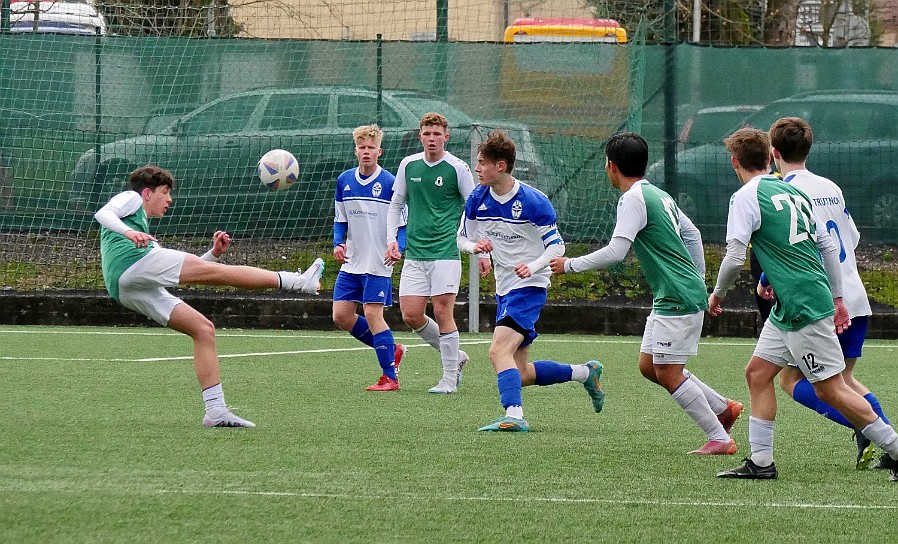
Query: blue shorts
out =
(852, 340)
(364, 288)
(519, 310)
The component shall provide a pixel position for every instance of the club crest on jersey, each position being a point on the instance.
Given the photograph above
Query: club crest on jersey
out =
(439, 181)
(516, 209)
(376, 188)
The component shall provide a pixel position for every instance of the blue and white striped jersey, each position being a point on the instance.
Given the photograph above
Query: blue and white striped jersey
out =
(521, 227)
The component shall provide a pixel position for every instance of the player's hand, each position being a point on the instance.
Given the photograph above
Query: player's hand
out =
(140, 239)
(483, 246)
(523, 271)
(765, 292)
(485, 265)
(557, 265)
(221, 241)
(841, 319)
(393, 254)
(714, 303)
(340, 253)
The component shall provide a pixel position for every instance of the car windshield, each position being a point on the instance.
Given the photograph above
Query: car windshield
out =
(421, 105)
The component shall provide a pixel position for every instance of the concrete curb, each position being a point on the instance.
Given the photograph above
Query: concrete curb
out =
(279, 311)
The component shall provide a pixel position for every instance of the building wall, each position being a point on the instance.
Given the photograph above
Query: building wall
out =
(469, 20)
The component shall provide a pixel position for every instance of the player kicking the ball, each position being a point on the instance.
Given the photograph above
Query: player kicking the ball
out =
(136, 271)
(360, 241)
(516, 224)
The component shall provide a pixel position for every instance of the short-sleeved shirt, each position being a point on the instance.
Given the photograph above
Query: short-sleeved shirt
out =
(520, 225)
(435, 194)
(117, 252)
(363, 203)
(779, 222)
(649, 218)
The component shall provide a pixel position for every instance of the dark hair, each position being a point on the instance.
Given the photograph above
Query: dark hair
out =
(629, 152)
(751, 147)
(792, 137)
(150, 177)
(498, 147)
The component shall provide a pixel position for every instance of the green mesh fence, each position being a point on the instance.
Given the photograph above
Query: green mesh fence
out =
(205, 88)
(205, 92)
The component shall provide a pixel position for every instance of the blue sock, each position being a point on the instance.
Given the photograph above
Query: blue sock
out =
(385, 348)
(550, 372)
(805, 395)
(874, 403)
(509, 387)
(361, 331)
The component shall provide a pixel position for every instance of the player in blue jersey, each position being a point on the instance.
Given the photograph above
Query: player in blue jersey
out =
(515, 223)
(137, 271)
(802, 263)
(791, 138)
(360, 241)
(669, 249)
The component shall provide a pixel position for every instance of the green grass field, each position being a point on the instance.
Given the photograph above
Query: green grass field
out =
(100, 441)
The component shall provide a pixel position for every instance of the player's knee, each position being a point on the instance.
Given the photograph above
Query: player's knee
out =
(342, 320)
(204, 329)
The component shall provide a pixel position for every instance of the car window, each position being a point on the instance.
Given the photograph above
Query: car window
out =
(223, 117)
(357, 110)
(296, 111)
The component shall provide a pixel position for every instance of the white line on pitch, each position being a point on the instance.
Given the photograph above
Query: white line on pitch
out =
(146, 490)
(288, 335)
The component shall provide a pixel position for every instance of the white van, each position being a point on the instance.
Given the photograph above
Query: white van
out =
(57, 18)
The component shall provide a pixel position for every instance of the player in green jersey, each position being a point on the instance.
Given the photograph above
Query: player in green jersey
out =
(669, 249)
(789, 240)
(792, 138)
(137, 271)
(434, 184)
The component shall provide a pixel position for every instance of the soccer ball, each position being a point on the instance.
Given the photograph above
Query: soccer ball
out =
(278, 170)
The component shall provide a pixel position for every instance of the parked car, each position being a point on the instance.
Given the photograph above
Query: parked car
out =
(213, 152)
(57, 18)
(855, 145)
(711, 125)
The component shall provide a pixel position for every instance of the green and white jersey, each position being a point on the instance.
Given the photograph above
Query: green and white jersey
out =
(650, 219)
(117, 252)
(778, 220)
(435, 194)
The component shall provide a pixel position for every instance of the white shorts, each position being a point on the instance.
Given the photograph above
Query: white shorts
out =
(429, 278)
(814, 349)
(142, 286)
(671, 339)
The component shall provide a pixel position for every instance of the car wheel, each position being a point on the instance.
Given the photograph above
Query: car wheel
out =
(885, 212)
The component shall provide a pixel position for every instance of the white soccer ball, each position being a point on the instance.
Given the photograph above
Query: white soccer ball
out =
(278, 170)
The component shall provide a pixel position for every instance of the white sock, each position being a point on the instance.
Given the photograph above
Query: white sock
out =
(579, 373)
(430, 333)
(717, 403)
(213, 398)
(516, 412)
(449, 354)
(691, 399)
(883, 435)
(760, 438)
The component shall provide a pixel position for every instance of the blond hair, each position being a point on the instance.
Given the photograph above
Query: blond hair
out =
(368, 132)
(433, 119)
